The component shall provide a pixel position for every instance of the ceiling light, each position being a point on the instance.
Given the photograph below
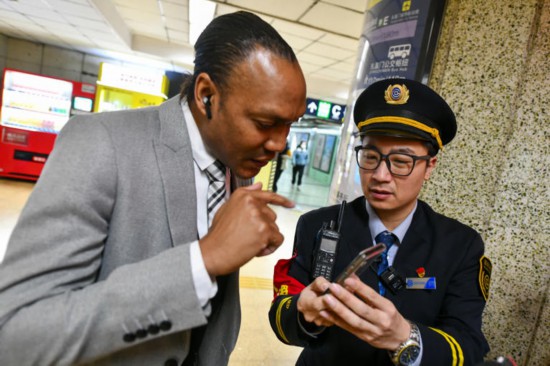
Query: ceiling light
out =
(201, 13)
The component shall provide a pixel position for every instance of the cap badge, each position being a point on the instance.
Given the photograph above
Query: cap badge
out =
(396, 94)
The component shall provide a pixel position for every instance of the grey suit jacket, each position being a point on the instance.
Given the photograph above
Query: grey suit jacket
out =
(101, 250)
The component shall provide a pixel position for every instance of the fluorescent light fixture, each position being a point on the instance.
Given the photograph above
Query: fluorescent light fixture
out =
(201, 13)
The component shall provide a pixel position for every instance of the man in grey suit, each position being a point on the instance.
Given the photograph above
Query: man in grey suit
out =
(114, 260)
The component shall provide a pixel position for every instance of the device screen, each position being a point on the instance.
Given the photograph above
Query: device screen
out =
(328, 245)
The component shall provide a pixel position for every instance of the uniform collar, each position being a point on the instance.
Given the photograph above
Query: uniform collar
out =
(376, 226)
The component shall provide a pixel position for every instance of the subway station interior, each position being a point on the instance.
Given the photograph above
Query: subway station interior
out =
(489, 60)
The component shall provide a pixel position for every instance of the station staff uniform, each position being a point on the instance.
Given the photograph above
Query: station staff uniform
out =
(430, 245)
(449, 317)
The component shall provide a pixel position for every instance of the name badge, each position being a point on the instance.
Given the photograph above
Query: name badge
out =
(417, 283)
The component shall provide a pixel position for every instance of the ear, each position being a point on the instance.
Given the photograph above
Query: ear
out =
(205, 94)
(430, 167)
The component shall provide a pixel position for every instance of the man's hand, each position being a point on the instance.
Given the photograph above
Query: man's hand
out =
(368, 315)
(243, 227)
(311, 302)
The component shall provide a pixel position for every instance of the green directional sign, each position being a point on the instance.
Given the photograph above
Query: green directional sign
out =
(325, 110)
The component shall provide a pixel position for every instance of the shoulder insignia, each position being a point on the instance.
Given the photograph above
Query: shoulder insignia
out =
(485, 268)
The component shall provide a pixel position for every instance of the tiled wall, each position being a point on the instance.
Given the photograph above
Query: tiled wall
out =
(492, 66)
(49, 60)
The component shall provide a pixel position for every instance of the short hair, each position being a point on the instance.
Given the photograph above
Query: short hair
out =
(228, 40)
(432, 149)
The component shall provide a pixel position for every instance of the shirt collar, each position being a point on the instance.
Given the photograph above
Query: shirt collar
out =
(376, 226)
(201, 156)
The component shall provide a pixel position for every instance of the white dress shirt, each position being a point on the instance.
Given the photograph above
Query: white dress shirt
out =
(376, 227)
(205, 286)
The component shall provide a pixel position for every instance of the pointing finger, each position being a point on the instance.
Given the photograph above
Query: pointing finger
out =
(254, 187)
(277, 199)
(266, 196)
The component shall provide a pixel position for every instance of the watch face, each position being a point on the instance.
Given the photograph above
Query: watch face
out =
(409, 355)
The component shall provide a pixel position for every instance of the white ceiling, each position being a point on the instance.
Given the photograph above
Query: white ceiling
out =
(323, 33)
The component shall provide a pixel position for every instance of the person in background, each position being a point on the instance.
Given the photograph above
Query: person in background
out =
(281, 164)
(128, 249)
(422, 302)
(300, 158)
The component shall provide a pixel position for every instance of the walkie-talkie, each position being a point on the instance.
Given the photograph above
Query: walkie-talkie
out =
(328, 238)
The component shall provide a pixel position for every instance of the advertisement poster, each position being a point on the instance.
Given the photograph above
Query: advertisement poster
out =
(327, 153)
(318, 152)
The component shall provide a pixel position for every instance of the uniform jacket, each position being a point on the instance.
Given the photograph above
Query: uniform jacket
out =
(100, 254)
(449, 317)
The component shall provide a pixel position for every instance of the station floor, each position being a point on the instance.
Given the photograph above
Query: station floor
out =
(257, 344)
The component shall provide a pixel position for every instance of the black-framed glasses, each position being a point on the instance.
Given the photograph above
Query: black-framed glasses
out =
(400, 164)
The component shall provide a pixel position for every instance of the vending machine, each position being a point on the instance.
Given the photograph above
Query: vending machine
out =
(34, 108)
(121, 88)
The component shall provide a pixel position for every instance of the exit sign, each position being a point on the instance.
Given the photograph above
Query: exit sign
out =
(325, 110)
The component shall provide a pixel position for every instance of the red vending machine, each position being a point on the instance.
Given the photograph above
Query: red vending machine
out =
(34, 108)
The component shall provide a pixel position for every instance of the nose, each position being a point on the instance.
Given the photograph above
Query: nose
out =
(382, 173)
(277, 138)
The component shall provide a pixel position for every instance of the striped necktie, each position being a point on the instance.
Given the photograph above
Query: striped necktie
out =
(216, 188)
(389, 239)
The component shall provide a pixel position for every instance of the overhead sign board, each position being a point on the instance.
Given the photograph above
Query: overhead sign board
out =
(144, 81)
(401, 35)
(325, 110)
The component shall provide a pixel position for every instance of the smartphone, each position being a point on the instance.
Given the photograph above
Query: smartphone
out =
(361, 262)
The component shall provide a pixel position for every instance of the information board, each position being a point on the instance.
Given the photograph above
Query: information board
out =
(401, 37)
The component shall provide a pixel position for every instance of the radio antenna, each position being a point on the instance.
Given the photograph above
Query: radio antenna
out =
(340, 215)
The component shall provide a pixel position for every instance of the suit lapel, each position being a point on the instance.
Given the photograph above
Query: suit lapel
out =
(175, 162)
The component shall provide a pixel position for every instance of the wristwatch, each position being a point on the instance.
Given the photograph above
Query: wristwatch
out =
(408, 351)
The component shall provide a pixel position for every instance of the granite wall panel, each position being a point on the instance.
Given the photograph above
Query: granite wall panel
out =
(492, 67)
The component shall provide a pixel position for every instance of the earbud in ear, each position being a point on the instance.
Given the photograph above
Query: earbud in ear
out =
(207, 104)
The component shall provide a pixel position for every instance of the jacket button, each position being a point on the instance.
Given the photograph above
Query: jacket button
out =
(171, 362)
(165, 325)
(129, 337)
(141, 333)
(153, 329)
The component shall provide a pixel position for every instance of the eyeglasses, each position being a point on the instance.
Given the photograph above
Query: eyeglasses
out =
(400, 164)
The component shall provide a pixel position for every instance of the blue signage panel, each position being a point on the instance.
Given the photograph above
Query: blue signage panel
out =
(325, 110)
(400, 39)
